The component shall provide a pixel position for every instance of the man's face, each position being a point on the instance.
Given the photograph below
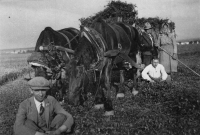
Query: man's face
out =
(148, 31)
(39, 94)
(165, 29)
(155, 62)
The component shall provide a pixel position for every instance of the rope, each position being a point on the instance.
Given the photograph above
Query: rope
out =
(180, 61)
(68, 41)
(71, 39)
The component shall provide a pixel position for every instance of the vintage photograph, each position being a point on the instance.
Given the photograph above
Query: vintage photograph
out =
(99, 67)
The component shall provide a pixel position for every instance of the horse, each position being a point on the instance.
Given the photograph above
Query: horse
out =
(100, 47)
(50, 58)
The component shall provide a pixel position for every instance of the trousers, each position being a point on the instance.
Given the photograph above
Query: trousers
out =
(57, 122)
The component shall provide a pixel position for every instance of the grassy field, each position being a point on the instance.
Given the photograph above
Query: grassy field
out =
(188, 48)
(12, 66)
(159, 109)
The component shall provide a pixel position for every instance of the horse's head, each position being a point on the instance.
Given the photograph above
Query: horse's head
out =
(76, 82)
(85, 55)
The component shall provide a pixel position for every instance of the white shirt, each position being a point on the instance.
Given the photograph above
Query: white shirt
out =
(37, 103)
(157, 72)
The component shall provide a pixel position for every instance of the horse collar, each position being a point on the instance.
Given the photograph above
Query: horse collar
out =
(97, 40)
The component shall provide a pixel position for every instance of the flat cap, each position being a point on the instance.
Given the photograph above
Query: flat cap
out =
(39, 83)
(38, 59)
(147, 26)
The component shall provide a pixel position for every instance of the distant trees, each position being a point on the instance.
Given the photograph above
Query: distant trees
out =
(29, 51)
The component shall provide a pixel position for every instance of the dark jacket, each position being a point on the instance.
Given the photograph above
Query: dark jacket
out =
(148, 44)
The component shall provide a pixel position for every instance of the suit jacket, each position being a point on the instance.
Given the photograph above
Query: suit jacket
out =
(148, 47)
(28, 110)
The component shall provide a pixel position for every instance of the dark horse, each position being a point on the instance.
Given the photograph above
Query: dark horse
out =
(51, 58)
(99, 48)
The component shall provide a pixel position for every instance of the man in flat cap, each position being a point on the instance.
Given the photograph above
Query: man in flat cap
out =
(41, 114)
(148, 40)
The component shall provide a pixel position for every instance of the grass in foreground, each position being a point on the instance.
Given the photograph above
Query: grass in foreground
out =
(160, 109)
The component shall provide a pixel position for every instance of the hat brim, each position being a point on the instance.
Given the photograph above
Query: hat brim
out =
(38, 64)
(147, 28)
(40, 88)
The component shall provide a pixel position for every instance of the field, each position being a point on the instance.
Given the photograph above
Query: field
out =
(158, 109)
(188, 48)
(12, 66)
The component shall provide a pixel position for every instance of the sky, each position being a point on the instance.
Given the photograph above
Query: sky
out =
(21, 21)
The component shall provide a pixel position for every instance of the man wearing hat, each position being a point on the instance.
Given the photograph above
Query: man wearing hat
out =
(148, 40)
(41, 114)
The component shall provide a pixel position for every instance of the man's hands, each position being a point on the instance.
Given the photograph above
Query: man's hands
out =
(174, 56)
(155, 79)
(152, 81)
(159, 48)
(142, 66)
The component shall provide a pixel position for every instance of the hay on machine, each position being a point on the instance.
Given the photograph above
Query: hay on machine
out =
(118, 11)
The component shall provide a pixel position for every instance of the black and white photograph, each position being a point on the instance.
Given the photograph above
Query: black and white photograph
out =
(99, 67)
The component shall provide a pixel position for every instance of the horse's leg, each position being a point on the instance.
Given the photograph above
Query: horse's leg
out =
(136, 75)
(99, 95)
(120, 92)
(135, 86)
(108, 103)
(139, 62)
(99, 99)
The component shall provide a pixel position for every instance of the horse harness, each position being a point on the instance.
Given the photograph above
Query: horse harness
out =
(118, 38)
(68, 42)
(100, 45)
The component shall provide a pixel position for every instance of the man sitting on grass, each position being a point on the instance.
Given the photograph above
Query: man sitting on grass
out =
(41, 114)
(154, 72)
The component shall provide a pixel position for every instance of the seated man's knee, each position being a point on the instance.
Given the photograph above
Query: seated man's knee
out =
(58, 121)
(60, 116)
(168, 78)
